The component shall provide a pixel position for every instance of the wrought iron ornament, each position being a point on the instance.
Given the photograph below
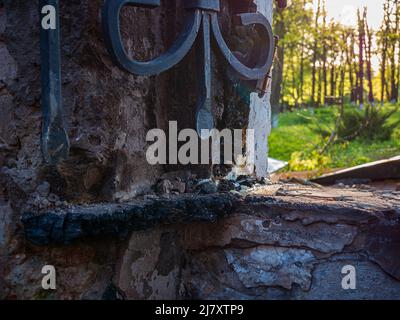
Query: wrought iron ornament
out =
(201, 20)
(55, 143)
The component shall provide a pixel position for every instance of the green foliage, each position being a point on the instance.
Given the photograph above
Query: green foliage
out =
(308, 161)
(294, 26)
(320, 57)
(300, 135)
(371, 124)
(396, 135)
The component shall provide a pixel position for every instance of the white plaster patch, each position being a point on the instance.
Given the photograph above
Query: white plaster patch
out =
(260, 111)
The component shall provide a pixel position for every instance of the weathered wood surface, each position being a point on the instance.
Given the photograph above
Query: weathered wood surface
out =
(67, 225)
(374, 171)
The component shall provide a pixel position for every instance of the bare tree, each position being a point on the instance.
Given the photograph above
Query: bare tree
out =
(368, 54)
(350, 57)
(324, 50)
(361, 44)
(315, 54)
(394, 39)
(277, 72)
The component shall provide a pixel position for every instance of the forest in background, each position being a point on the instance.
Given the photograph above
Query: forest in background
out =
(321, 61)
(335, 89)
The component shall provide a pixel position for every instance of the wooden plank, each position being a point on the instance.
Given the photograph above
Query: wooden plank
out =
(374, 171)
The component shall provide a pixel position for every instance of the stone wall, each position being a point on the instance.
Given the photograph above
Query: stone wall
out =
(258, 246)
(108, 113)
(274, 242)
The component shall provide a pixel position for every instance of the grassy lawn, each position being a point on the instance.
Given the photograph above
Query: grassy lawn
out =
(298, 136)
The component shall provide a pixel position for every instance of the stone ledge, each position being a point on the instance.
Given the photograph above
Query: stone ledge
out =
(275, 242)
(308, 205)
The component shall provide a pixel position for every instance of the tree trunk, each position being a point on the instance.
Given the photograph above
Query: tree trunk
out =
(333, 81)
(350, 64)
(315, 54)
(361, 44)
(395, 34)
(368, 54)
(319, 95)
(301, 91)
(277, 72)
(383, 70)
(324, 54)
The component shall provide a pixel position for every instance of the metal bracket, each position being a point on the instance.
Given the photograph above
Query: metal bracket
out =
(201, 17)
(55, 143)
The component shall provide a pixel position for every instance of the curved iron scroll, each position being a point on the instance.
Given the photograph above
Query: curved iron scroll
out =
(201, 17)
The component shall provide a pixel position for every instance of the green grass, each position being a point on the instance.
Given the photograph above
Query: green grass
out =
(298, 131)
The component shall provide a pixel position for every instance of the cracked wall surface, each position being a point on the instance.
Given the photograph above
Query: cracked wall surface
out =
(290, 242)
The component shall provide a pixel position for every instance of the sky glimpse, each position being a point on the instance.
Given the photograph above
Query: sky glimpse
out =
(345, 11)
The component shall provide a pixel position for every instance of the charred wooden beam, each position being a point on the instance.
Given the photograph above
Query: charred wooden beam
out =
(306, 205)
(64, 226)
